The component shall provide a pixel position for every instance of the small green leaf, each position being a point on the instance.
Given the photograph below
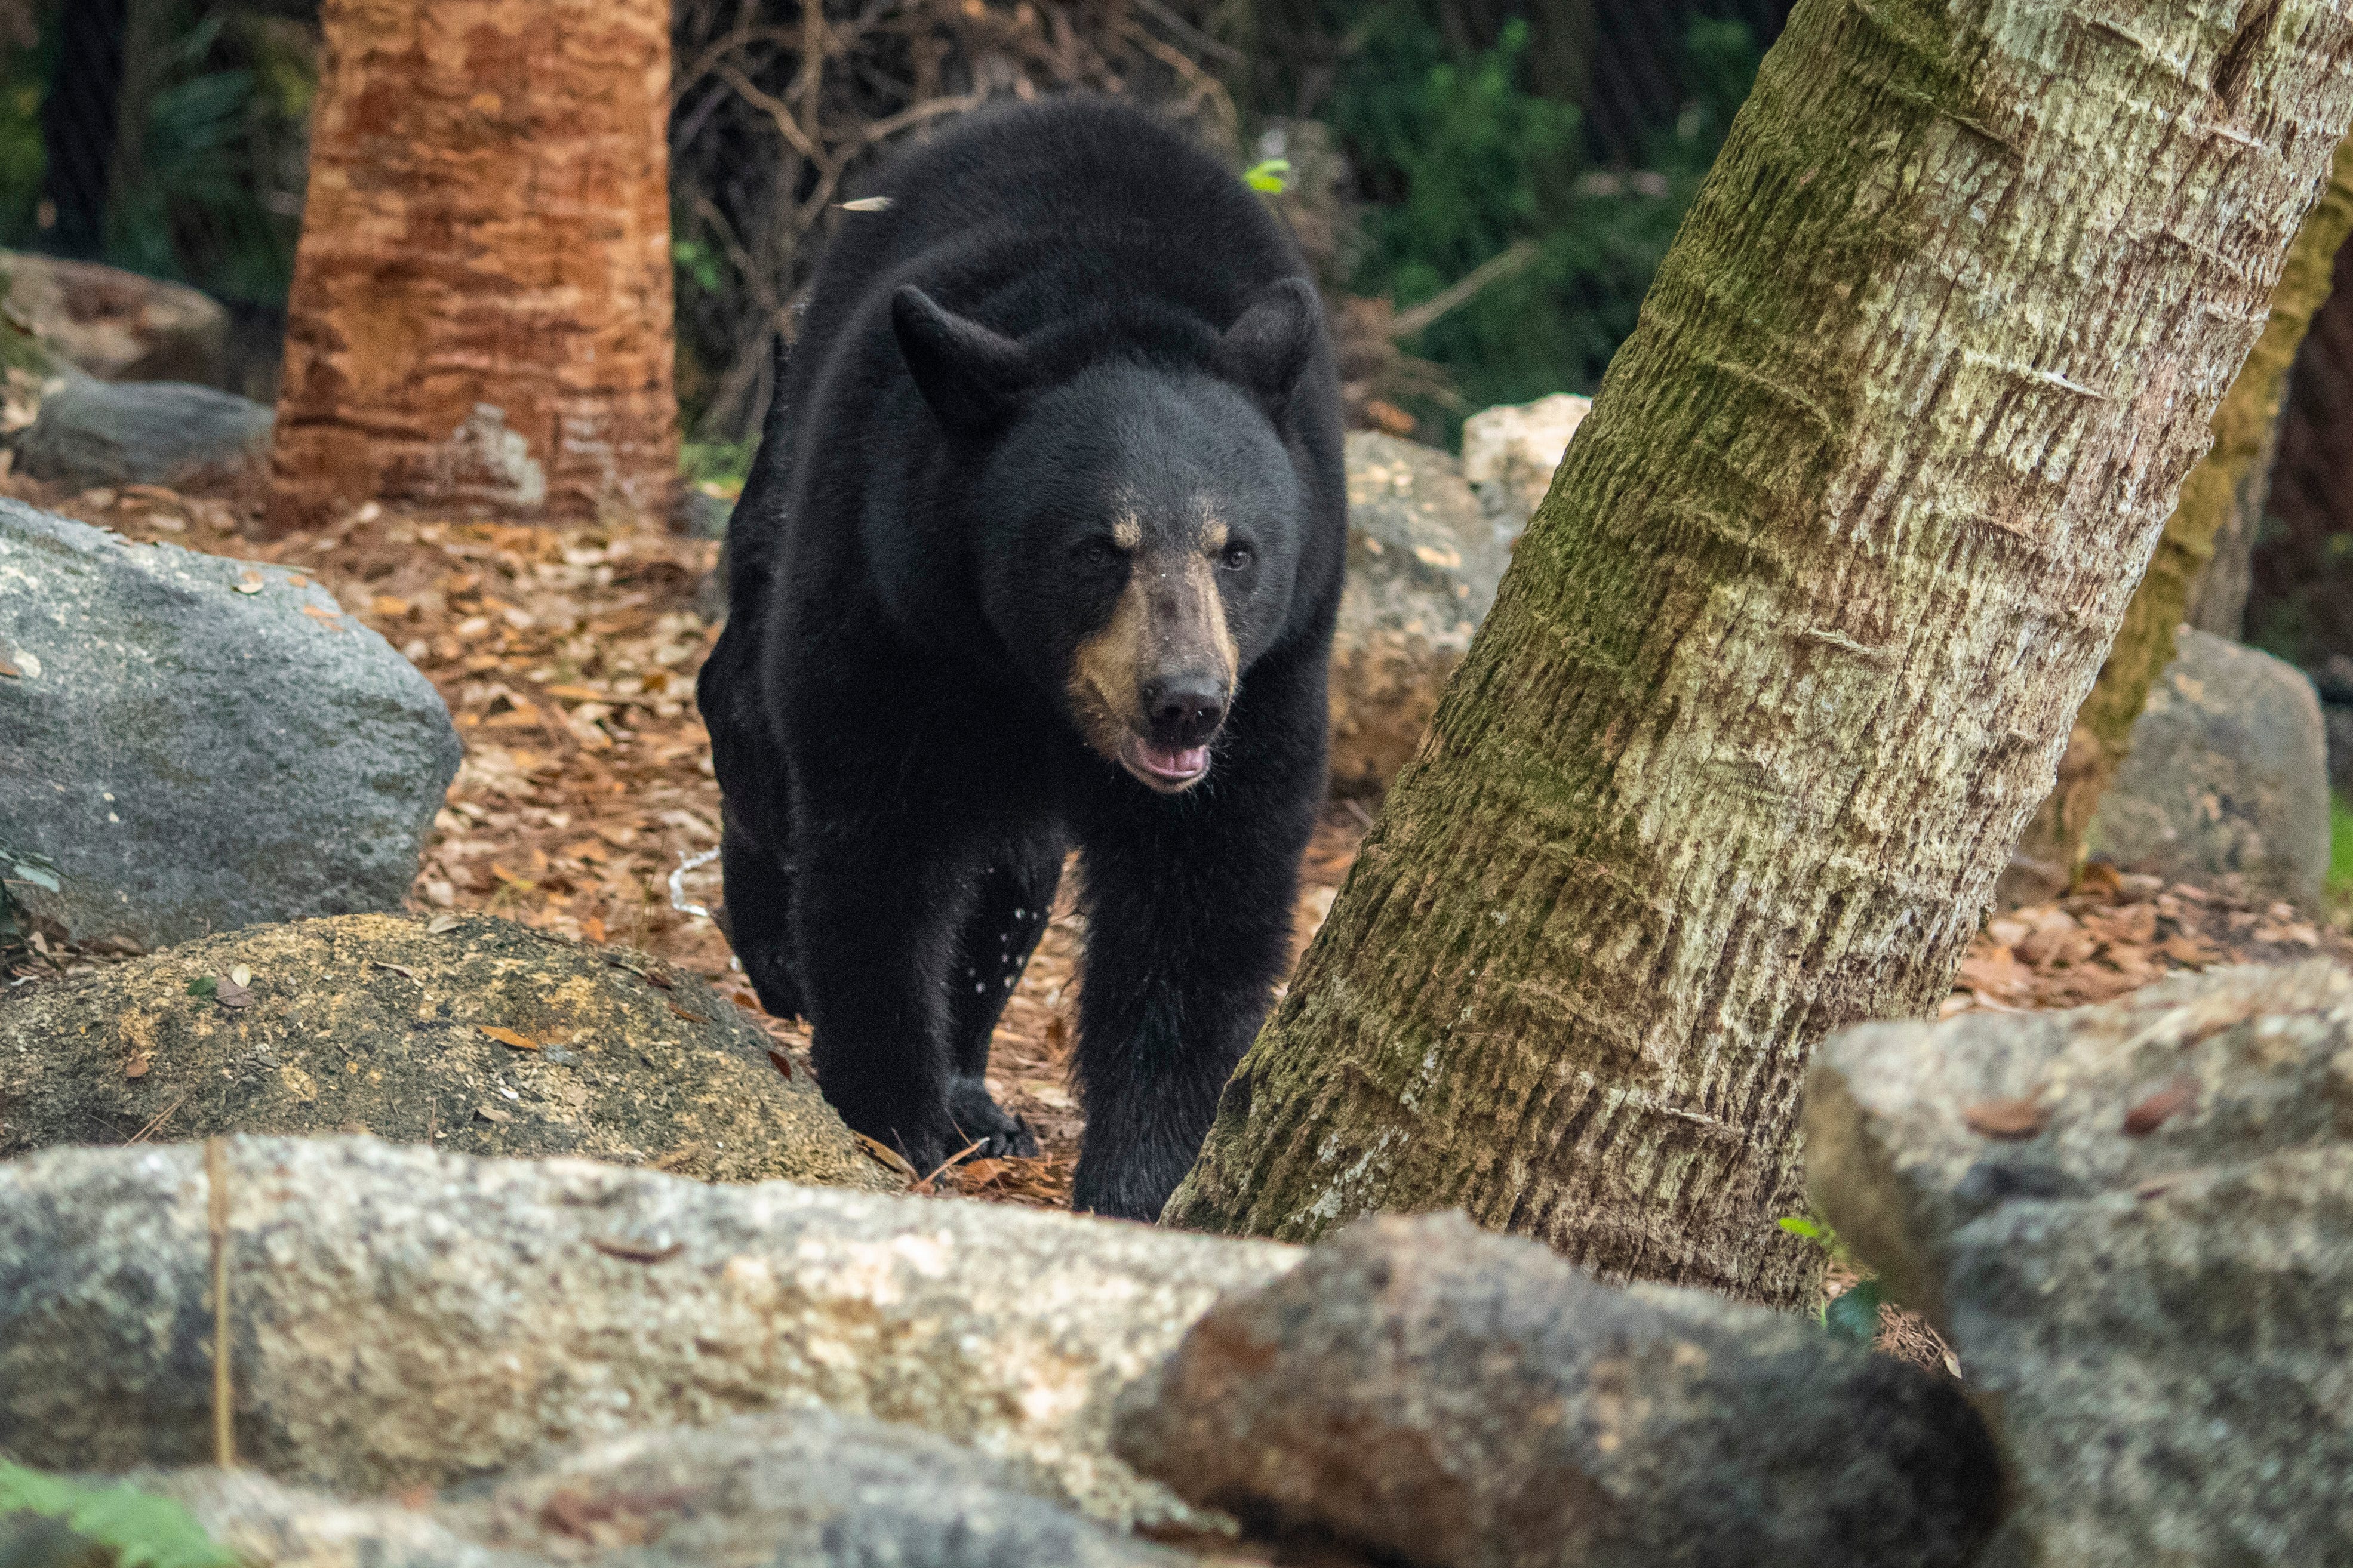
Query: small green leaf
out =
(203, 986)
(1798, 1224)
(1854, 1316)
(1268, 176)
(140, 1531)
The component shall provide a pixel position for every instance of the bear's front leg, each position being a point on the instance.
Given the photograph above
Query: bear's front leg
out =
(875, 913)
(1188, 904)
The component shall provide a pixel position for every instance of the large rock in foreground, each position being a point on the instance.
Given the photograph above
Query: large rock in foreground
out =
(199, 743)
(2228, 775)
(485, 1037)
(2135, 1224)
(804, 1488)
(1443, 1396)
(1423, 562)
(402, 1317)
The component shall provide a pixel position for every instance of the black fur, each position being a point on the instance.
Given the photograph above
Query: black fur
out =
(1102, 322)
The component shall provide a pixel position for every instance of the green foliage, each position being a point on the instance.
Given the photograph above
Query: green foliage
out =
(1268, 175)
(1461, 159)
(2341, 848)
(699, 263)
(1853, 1314)
(722, 466)
(136, 1530)
(213, 191)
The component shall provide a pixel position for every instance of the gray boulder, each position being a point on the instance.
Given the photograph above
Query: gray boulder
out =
(91, 433)
(1423, 562)
(405, 1317)
(802, 1487)
(1442, 1396)
(2134, 1223)
(1509, 454)
(2228, 775)
(199, 743)
(806, 1488)
(478, 1035)
(269, 1525)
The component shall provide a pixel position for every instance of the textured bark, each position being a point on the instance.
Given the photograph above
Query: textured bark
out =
(1788, 656)
(2300, 603)
(481, 316)
(2232, 478)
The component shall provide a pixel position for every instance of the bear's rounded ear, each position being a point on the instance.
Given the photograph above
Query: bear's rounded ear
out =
(970, 375)
(1267, 347)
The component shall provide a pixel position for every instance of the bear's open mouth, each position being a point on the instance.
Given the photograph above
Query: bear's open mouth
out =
(1166, 768)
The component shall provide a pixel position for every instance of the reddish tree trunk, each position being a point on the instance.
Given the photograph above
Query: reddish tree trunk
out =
(480, 317)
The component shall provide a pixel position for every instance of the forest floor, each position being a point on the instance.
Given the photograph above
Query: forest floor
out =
(585, 804)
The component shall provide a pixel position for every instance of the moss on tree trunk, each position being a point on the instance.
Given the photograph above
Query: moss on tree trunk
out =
(1788, 656)
(2226, 482)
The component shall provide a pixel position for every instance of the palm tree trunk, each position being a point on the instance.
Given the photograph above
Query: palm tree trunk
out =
(1788, 656)
(480, 317)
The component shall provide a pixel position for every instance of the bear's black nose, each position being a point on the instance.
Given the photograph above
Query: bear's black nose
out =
(1184, 710)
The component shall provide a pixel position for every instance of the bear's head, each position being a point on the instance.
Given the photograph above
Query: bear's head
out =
(1134, 520)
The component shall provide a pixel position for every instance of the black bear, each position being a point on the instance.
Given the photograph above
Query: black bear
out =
(1042, 548)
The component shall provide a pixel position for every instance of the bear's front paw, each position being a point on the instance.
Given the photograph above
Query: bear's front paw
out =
(979, 1119)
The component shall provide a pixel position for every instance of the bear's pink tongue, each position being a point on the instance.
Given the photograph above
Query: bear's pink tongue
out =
(1170, 763)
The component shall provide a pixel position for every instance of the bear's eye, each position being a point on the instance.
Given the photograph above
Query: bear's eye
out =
(1235, 556)
(1097, 553)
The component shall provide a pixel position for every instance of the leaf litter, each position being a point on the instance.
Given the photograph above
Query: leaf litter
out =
(567, 656)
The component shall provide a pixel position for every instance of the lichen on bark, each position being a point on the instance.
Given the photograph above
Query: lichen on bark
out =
(1789, 655)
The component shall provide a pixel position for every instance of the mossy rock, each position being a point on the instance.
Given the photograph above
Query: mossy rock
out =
(377, 1023)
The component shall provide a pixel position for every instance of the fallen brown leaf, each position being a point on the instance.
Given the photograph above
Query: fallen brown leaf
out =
(690, 1017)
(780, 1062)
(138, 1065)
(2005, 1118)
(888, 1155)
(2158, 1109)
(400, 968)
(230, 994)
(492, 1113)
(508, 1037)
(635, 1252)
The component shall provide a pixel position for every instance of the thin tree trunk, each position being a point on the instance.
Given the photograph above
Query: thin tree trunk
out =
(2218, 594)
(1787, 659)
(481, 316)
(2231, 478)
(2300, 601)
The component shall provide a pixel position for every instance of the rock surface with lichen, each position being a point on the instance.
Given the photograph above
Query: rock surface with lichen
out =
(196, 743)
(405, 1317)
(484, 1037)
(2134, 1223)
(1423, 564)
(806, 1486)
